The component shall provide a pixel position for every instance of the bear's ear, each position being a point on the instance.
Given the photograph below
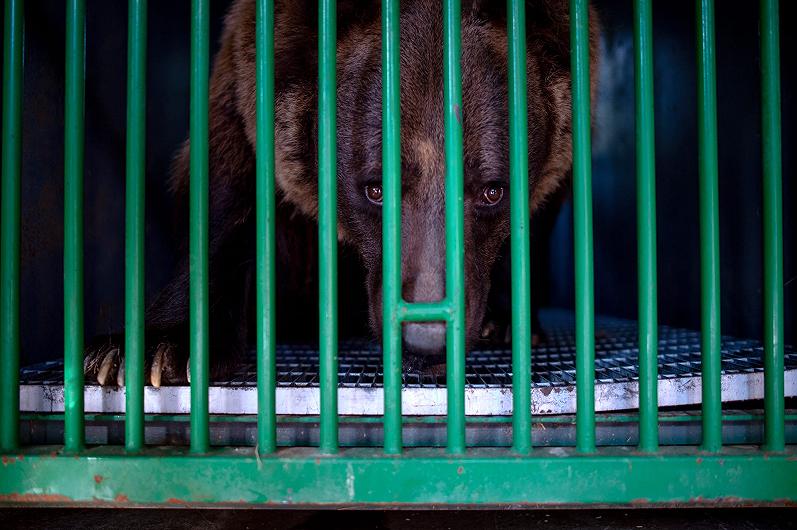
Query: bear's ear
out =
(548, 38)
(487, 10)
(296, 28)
(348, 13)
(547, 25)
(354, 12)
(296, 87)
(548, 47)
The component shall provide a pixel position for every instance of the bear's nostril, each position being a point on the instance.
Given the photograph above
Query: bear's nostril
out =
(425, 339)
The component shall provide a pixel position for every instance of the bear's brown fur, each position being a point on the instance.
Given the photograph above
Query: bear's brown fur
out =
(359, 81)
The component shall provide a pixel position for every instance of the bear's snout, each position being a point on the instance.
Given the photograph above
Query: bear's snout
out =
(424, 339)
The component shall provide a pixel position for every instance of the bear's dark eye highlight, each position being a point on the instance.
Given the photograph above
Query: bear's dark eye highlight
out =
(374, 193)
(492, 194)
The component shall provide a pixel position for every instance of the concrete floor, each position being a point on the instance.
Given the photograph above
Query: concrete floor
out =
(143, 519)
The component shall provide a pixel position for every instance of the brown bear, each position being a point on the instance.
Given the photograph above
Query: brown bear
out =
(359, 92)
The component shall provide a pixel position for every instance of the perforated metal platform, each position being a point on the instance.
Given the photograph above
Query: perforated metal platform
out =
(488, 377)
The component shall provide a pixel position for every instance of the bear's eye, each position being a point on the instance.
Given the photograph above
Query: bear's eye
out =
(374, 193)
(492, 194)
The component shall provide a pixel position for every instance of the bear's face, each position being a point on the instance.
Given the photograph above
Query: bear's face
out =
(484, 117)
(486, 166)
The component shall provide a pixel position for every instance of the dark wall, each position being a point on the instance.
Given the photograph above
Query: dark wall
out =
(42, 165)
(614, 202)
(739, 124)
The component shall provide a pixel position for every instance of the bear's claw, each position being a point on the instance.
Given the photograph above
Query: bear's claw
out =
(108, 367)
(105, 364)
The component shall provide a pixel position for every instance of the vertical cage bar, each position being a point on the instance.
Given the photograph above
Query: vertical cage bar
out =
(774, 435)
(709, 226)
(134, 223)
(9, 225)
(391, 225)
(327, 226)
(198, 232)
(519, 196)
(74, 434)
(266, 250)
(582, 217)
(455, 238)
(646, 228)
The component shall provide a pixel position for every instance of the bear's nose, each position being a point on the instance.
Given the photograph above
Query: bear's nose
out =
(425, 339)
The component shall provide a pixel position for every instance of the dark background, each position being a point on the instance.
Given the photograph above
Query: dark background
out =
(620, 519)
(613, 166)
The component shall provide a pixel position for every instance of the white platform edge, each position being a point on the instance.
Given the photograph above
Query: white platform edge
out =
(414, 401)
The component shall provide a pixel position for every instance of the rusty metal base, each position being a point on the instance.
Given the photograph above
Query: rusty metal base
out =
(107, 476)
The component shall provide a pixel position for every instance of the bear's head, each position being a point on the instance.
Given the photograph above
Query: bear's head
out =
(484, 116)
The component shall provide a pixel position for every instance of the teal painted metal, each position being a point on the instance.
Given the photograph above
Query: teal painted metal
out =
(198, 233)
(265, 475)
(391, 225)
(482, 476)
(9, 225)
(773, 226)
(452, 309)
(709, 225)
(327, 226)
(134, 223)
(265, 219)
(582, 225)
(73, 223)
(519, 212)
(646, 227)
(424, 311)
(455, 232)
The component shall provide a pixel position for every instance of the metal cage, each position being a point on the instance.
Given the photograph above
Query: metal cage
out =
(521, 474)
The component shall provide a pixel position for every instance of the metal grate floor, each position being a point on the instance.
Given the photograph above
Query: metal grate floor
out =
(488, 376)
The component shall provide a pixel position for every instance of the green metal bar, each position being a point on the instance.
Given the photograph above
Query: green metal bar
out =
(519, 195)
(553, 476)
(74, 434)
(646, 228)
(266, 249)
(709, 226)
(9, 225)
(134, 224)
(424, 311)
(198, 234)
(582, 214)
(774, 404)
(391, 225)
(327, 226)
(455, 238)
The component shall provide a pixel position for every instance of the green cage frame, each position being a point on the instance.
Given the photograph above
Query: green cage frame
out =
(393, 475)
